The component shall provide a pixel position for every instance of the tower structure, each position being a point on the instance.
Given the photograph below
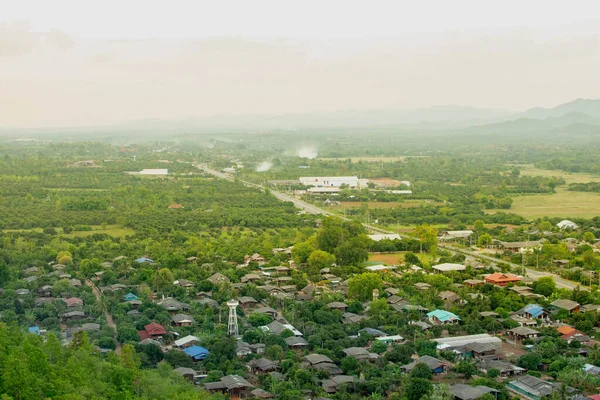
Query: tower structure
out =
(232, 326)
(375, 294)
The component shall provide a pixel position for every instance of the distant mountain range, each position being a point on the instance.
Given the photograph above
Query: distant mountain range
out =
(579, 116)
(582, 115)
(580, 111)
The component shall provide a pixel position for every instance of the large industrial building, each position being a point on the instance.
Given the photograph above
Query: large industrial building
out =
(330, 181)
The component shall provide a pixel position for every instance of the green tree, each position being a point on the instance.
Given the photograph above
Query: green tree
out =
(318, 260)
(466, 368)
(163, 279)
(352, 252)
(427, 236)
(589, 237)
(361, 286)
(484, 240)
(421, 370)
(418, 388)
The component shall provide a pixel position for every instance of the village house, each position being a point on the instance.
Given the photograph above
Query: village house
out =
(271, 312)
(436, 366)
(296, 343)
(333, 384)
(446, 267)
(442, 317)
(501, 279)
(528, 386)
(534, 311)
(277, 327)
(463, 391)
(197, 353)
(389, 339)
(519, 247)
(251, 277)
(152, 331)
(455, 235)
(130, 297)
(184, 283)
(422, 286)
(182, 320)
(360, 353)
(352, 318)
(73, 315)
(505, 368)
(474, 282)
(247, 302)
(45, 291)
(217, 278)
(565, 304)
(234, 385)
(172, 305)
(448, 296)
(73, 302)
(522, 332)
(187, 373)
(263, 365)
(187, 341)
(337, 305)
(257, 258)
(321, 362)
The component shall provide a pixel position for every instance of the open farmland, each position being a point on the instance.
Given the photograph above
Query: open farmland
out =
(562, 204)
(397, 257)
(530, 170)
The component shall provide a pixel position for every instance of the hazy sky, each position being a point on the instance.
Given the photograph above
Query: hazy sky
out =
(74, 62)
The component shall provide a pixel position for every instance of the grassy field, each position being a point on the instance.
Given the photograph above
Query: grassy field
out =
(113, 230)
(562, 204)
(396, 258)
(530, 170)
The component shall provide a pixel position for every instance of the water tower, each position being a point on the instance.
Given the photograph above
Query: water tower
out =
(232, 327)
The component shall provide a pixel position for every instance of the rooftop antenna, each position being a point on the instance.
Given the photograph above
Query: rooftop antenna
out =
(232, 327)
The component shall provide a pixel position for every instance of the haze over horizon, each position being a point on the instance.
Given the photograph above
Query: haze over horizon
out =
(93, 66)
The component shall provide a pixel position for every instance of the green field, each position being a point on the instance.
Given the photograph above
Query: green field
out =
(398, 257)
(530, 170)
(562, 204)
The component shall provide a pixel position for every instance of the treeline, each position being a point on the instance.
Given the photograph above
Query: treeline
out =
(31, 368)
(585, 187)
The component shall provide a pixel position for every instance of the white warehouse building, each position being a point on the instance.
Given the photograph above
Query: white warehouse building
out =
(332, 181)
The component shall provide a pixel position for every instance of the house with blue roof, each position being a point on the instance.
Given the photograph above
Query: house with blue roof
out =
(130, 297)
(442, 317)
(534, 311)
(144, 260)
(35, 330)
(197, 352)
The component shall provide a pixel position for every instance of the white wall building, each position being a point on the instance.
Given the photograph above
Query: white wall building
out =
(154, 172)
(330, 181)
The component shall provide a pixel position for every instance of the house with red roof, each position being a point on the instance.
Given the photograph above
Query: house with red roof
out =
(73, 302)
(500, 279)
(152, 331)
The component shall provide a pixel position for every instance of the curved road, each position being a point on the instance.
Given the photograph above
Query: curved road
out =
(312, 209)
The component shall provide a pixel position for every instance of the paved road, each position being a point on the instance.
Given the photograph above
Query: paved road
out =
(109, 319)
(532, 273)
(312, 209)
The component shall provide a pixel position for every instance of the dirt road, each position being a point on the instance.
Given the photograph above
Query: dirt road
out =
(109, 319)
